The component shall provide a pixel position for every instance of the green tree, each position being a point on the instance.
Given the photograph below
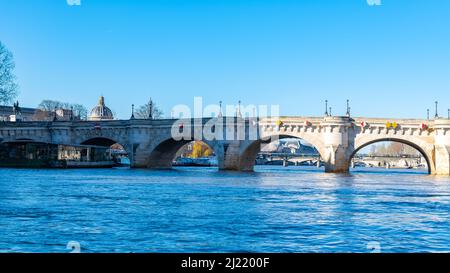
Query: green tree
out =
(8, 85)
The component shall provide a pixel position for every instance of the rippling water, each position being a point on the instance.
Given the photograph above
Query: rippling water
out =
(275, 209)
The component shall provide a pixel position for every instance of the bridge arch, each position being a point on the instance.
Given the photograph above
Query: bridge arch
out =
(162, 155)
(99, 141)
(425, 149)
(248, 156)
(108, 142)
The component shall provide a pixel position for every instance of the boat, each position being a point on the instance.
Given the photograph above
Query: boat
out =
(195, 162)
(122, 161)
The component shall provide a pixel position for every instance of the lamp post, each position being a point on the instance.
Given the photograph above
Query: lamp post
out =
(330, 111)
(150, 109)
(220, 109)
(436, 110)
(132, 111)
(326, 107)
(348, 108)
(238, 113)
(54, 114)
(428, 114)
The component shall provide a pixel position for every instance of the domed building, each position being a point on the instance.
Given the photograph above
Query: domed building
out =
(101, 112)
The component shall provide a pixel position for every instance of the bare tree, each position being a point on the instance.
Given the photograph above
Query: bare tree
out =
(79, 111)
(51, 105)
(143, 111)
(8, 85)
(393, 148)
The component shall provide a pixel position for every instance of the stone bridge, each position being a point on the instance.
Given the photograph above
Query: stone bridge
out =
(237, 141)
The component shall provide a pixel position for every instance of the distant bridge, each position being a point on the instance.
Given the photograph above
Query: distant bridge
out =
(287, 155)
(362, 156)
(405, 160)
(151, 144)
(288, 158)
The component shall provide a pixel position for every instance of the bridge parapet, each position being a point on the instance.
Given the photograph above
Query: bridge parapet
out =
(410, 122)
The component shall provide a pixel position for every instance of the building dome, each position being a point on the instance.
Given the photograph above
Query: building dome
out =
(101, 112)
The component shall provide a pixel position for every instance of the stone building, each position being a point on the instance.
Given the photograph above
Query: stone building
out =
(10, 113)
(16, 113)
(58, 114)
(100, 111)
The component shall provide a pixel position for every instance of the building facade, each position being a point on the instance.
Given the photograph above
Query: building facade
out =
(16, 113)
(7, 111)
(100, 111)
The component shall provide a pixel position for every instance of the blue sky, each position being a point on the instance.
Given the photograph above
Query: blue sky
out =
(391, 60)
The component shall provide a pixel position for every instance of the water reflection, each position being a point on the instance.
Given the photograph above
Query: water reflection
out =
(274, 209)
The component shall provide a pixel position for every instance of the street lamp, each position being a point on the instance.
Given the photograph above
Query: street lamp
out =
(220, 109)
(436, 110)
(238, 113)
(150, 109)
(326, 107)
(132, 111)
(348, 109)
(428, 114)
(54, 114)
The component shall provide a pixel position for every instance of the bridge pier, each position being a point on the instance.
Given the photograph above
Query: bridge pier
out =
(238, 155)
(442, 154)
(442, 147)
(336, 160)
(338, 144)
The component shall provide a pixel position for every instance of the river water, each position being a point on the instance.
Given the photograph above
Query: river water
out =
(274, 209)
